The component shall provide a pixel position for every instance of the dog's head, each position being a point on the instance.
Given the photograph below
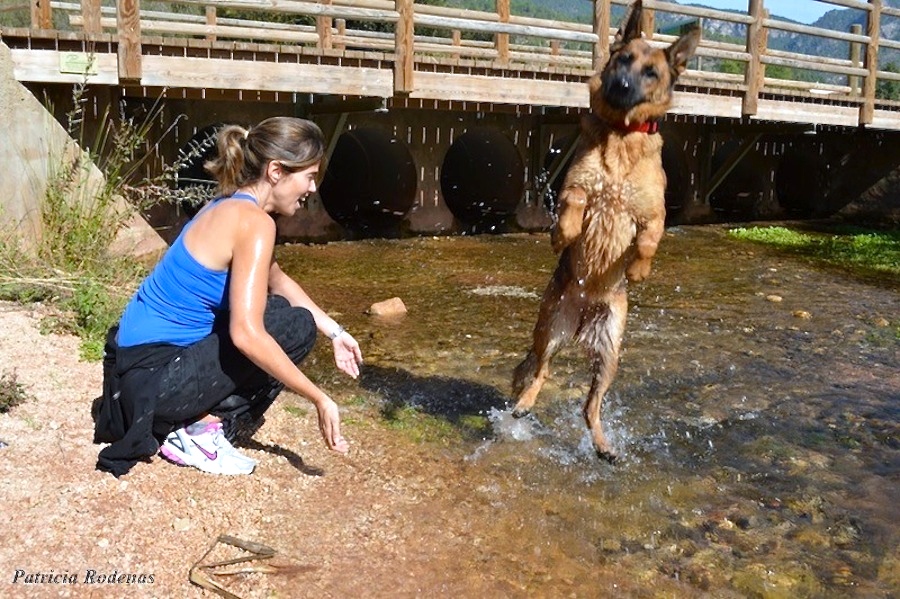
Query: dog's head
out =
(636, 84)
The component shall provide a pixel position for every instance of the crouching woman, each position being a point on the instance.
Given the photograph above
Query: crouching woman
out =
(217, 329)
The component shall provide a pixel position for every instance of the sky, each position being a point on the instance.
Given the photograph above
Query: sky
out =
(803, 11)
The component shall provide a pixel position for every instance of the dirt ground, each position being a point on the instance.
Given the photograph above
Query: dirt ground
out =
(338, 524)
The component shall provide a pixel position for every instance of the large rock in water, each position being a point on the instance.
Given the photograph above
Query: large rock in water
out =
(879, 205)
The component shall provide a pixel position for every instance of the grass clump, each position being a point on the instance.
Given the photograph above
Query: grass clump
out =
(72, 268)
(864, 251)
(12, 393)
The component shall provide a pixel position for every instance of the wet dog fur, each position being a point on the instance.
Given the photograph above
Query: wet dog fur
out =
(611, 216)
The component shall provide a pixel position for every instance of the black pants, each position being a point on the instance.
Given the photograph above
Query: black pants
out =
(213, 376)
(160, 387)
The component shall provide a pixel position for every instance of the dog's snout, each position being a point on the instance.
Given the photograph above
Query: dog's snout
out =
(620, 89)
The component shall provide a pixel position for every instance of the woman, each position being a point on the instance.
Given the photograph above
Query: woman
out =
(218, 329)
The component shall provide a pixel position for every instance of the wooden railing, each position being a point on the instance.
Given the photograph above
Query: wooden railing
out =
(422, 40)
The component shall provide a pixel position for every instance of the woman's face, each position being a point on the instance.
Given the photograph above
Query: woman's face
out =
(292, 188)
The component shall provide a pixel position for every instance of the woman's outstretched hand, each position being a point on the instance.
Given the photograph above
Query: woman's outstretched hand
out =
(330, 426)
(347, 355)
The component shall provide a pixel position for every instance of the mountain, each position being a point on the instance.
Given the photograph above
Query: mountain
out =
(836, 20)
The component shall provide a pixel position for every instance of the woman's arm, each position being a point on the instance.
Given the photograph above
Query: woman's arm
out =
(251, 260)
(347, 355)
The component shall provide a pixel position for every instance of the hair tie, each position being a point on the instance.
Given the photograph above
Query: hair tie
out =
(246, 133)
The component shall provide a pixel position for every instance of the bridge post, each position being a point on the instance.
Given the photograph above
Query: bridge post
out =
(90, 14)
(855, 60)
(754, 74)
(128, 23)
(501, 40)
(323, 29)
(873, 30)
(601, 29)
(41, 14)
(648, 23)
(341, 26)
(403, 47)
(211, 18)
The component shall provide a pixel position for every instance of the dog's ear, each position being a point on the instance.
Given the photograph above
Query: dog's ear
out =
(681, 50)
(630, 28)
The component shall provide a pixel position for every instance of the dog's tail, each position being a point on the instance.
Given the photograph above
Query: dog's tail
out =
(524, 373)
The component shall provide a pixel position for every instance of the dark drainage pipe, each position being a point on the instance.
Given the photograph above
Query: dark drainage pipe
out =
(370, 183)
(482, 178)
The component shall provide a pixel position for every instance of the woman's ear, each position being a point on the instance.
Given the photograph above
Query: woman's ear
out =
(274, 171)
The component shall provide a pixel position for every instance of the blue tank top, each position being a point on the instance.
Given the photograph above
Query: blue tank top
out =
(179, 301)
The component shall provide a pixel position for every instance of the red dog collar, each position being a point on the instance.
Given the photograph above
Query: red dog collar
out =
(646, 127)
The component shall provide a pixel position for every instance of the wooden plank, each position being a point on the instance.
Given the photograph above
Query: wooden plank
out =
(323, 29)
(866, 111)
(297, 34)
(702, 104)
(211, 18)
(451, 23)
(756, 47)
(41, 14)
(403, 48)
(695, 11)
(885, 119)
(601, 22)
(90, 12)
(311, 9)
(42, 66)
(479, 88)
(803, 112)
(217, 73)
(501, 40)
(129, 31)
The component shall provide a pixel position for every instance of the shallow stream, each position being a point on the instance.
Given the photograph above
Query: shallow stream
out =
(755, 411)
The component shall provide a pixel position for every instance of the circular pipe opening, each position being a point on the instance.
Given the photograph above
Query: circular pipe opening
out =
(482, 178)
(370, 182)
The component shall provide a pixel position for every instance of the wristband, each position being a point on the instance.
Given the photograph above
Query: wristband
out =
(337, 333)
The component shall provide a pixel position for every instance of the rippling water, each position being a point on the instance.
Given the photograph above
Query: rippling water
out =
(756, 412)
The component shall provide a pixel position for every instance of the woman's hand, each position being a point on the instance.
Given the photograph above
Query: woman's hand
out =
(330, 426)
(347, 356)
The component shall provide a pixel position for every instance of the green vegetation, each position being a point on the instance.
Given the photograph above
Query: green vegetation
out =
(71, 267)
(889, 90)
(873, 252)
(12, 393)
(421, 427)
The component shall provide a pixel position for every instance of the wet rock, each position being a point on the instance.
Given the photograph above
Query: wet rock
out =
(784, 580)
(802, 314)
(811, 537)
(889, 570)
(775, 299)
(708, 569)
(388, 308)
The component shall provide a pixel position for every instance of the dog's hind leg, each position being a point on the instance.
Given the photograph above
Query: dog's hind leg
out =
(603, 336)
(558, 319)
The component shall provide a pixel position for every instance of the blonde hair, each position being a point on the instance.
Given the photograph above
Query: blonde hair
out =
(245, 153)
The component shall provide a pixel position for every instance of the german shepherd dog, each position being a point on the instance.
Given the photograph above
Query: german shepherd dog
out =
(611, 216)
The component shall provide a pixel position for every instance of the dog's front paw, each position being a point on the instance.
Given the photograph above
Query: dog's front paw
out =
(638, 270)
(520, 412)
(607, 455)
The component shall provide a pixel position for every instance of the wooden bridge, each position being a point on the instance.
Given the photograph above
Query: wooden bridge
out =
(411, 54)
(439, 118)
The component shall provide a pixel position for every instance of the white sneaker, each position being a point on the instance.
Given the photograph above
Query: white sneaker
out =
(208, 451)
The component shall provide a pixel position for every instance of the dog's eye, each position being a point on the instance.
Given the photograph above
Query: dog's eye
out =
(650, 72)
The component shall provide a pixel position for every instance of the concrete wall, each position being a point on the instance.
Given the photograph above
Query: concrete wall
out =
(32, 145)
